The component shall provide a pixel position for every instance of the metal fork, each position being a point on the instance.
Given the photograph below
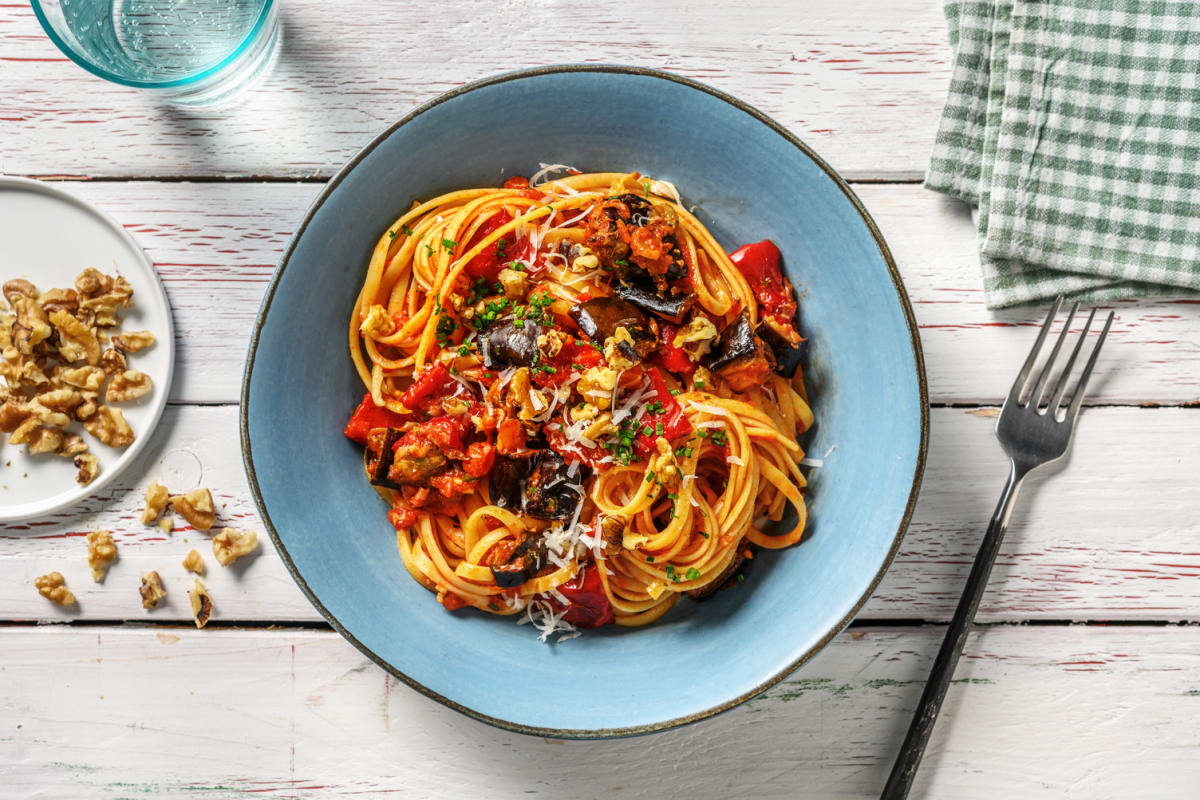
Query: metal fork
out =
(1032, 434)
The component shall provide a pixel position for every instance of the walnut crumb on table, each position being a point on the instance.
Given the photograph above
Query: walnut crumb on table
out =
(101, 551)
(156, 501)
(152, 589)
(201, 604)
(53, 587)
(196, 507)
(192, 562)
(231, 544)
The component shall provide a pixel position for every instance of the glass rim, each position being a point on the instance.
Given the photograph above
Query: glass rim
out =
(70, 53)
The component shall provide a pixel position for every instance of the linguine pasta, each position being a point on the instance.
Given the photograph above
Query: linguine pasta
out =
(578, 406)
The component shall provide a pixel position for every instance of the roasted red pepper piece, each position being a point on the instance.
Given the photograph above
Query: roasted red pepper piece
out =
(368, 417)
(568, 362)
(402, 517)
(588, 605)
(671, 358)
(497, 256)
(452, 483)
(445, 432)
(759, 263)
(429, 385)
(479, 460)
(674, 423)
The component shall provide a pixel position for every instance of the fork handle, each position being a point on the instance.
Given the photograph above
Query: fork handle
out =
(905, 768)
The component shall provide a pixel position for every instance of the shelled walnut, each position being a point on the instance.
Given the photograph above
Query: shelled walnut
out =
(101, 551)
(152, 589)
(196, 507)
(109, 426)
(202, 604)
(55, 367)
(192, 562)
(231, 544)
(156, 501)
(53, 587)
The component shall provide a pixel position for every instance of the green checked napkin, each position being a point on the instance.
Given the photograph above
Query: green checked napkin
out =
(1074, 128)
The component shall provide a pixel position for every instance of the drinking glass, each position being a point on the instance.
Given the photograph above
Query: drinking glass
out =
(190, 52)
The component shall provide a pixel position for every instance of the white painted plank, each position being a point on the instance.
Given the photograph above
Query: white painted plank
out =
(1083, 713)
(1110, 537)
(861, 82)
(216, 246)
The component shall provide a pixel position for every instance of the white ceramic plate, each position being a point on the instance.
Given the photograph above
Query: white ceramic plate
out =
(48, 236)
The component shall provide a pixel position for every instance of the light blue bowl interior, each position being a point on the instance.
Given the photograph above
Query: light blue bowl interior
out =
(747, 182)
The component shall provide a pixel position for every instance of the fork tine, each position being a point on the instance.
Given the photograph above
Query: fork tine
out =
(1061, 387)
(1077, 396)
(1035, 395)
(1014, 394)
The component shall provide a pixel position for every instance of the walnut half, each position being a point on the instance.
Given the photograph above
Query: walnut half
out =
(133, 341)
(127, 385)
(152, 589)
(101, 551)
(202, 604)
(53, 587)
(231, 544)
(197, 508)
(109, 426)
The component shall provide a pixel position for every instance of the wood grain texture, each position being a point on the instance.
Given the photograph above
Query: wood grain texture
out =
(1106, 538)
(1083, 713)
(861, 82)
(216, 245)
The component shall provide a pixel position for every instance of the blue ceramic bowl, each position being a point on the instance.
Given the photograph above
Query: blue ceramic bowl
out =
(749, 179)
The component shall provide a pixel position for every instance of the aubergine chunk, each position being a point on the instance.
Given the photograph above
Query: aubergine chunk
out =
(706, 591)
(601, 317)
(507, 345)
(506, 483)
(786, 345)
(539, 485)
(671, 307)
(379, 454)
(741, 358)
(395, 460)
(523, 563)
(551, 492)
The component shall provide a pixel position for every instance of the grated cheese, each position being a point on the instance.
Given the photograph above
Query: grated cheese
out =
(811, 462)
(666, 189)
(539, 177)
(734, 460)
(707, 408)
(541, 615)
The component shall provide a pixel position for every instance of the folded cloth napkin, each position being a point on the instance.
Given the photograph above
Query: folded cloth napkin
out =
(1074, 128)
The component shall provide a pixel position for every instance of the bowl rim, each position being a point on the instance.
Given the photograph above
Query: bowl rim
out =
(901, 294)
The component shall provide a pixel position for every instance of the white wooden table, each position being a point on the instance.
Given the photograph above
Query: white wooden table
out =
(1081, 680)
